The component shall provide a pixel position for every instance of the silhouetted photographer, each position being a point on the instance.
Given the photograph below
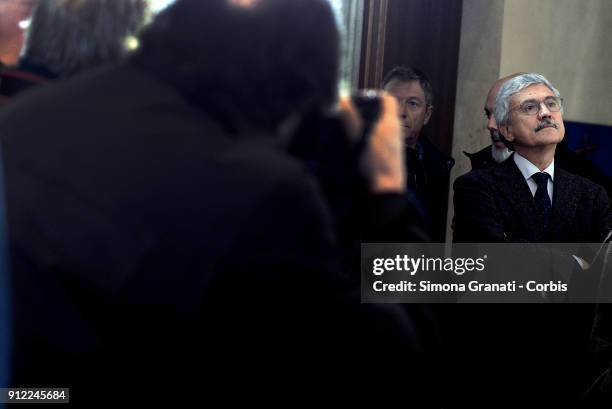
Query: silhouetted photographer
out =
(164, 240)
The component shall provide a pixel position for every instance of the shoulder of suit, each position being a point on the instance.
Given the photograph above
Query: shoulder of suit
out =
(481, 159)
(486, 151)
(577, 179)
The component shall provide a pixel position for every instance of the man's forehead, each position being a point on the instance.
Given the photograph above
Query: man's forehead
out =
(536, 91)
(411, 87)
(494, 90)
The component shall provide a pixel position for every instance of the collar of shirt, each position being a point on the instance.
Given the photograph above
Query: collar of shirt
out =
(527, 169)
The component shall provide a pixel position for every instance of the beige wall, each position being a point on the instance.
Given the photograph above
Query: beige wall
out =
(569, 42)
(479, 66)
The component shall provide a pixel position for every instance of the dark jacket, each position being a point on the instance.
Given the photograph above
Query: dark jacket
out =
(428, 172)
(565, 158)
(15, 80)
(148, 245)
(537, 351)
(481, 159)
(495, 205)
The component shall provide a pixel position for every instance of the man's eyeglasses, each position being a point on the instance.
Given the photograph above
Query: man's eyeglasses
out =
(532, 106)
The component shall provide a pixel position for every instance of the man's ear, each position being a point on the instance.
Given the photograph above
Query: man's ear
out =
(428, 113)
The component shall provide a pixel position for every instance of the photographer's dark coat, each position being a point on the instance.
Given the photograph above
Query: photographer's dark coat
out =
(14, 81)
(151, 247)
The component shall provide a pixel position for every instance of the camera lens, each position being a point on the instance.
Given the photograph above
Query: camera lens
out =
(368, 105)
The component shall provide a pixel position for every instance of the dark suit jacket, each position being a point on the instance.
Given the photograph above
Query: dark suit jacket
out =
(150, 247)
(495, 205)
(481, 159)
(432, 172)
(565, 158)
(537, 352)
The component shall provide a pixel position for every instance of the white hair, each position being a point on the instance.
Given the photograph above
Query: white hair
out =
(513, 86)
(500, 154)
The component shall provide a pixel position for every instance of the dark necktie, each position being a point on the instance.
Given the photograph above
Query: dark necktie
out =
(541, 198)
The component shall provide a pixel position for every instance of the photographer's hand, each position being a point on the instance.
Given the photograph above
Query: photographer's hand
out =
(383, 160)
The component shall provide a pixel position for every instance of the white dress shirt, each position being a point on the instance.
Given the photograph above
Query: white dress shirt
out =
(528, 169)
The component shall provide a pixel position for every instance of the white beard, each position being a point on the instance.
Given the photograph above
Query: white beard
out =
(500, 155)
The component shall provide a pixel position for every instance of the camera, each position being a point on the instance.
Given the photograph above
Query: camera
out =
(368, 106)
(323, 145)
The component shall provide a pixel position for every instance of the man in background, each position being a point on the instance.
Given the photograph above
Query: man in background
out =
(497, 152)
(427, 168)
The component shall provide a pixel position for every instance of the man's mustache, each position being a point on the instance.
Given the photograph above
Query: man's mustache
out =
(545, 124)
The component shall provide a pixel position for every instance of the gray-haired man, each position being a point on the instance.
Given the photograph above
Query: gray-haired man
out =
(497, 152)
(527, 198)
(539, 352)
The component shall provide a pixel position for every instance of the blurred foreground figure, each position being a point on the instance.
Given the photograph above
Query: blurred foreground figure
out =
(66, 37)
(161, 237)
